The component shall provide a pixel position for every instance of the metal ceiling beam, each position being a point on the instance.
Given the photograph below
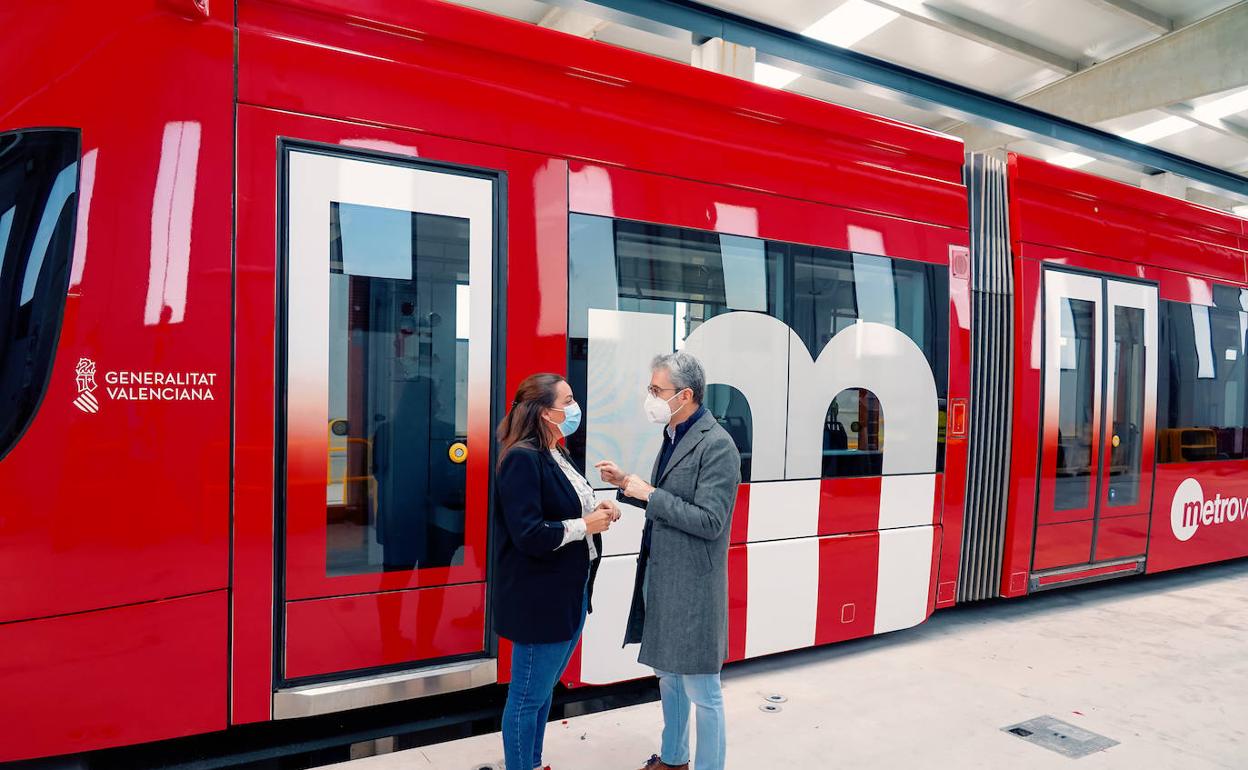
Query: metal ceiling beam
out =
(1203, 58)
(969, 30)
(851, 68)
(1159, 22)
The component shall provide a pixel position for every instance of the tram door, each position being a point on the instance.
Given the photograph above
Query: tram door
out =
(387, 289)
(1098, 418)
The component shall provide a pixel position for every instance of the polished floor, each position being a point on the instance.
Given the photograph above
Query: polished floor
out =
(1158, 664)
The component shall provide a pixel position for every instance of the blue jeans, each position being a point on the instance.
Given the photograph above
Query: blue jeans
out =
(535, 670)
(677, 690)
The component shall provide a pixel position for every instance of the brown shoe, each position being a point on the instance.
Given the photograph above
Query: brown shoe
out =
(654, 763)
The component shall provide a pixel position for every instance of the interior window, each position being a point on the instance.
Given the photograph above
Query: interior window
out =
(398, 345)
(1202, 393)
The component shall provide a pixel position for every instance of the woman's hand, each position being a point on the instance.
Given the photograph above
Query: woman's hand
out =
(598, 520)
(610, 507)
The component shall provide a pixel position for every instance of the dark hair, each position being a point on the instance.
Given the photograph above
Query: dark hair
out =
(523, 423)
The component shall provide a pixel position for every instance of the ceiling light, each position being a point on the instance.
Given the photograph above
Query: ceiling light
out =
(1072, 160)
(1220, 108)
(776, 77)
(1158, 129)
(849, 23)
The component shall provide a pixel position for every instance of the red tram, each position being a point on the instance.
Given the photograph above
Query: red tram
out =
(267, 270)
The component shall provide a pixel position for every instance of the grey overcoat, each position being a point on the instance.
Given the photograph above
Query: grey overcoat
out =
(682, 623)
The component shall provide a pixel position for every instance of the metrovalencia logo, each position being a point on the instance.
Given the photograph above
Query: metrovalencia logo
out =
(1189, 510)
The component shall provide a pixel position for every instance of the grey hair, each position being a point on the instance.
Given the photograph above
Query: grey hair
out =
(685, 370)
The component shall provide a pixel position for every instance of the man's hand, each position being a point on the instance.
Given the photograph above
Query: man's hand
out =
(637, 489)
(610, 507)
(611, 473)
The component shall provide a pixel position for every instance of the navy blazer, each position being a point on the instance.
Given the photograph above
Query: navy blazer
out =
(539, 589)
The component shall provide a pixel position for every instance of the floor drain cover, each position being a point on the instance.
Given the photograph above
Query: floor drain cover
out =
(1056, 735)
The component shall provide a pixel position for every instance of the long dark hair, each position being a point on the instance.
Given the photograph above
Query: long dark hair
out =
(523, 424)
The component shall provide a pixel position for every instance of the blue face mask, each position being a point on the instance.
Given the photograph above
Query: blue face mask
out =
(571, 419)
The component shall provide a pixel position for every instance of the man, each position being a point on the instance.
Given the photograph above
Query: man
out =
(680, 597)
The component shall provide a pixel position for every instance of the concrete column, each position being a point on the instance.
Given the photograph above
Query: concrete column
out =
(1166, 183)
(726, 58)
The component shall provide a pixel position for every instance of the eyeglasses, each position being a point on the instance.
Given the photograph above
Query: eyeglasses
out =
(656, 391)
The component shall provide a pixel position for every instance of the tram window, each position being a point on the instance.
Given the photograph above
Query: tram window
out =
(688, 275)
(397, 389)
(1202, 410)
(693, 276)
(835, 289)
(853, 435)
(38, 196)
(730, 407)
(1075, 404)
(1128, 418)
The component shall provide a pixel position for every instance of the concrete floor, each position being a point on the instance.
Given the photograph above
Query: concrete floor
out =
(1158, 663)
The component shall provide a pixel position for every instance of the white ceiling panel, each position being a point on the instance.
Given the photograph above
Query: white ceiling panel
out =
(1076, 29)
(941, 53)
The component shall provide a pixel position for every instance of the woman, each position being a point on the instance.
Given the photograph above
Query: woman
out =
(548, 547)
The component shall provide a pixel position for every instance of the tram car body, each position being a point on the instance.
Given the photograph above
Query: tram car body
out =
(271, 268)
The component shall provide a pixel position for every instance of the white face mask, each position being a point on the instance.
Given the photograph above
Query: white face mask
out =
(659, 411)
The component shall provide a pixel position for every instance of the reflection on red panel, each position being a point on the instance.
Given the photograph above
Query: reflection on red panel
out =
(848, 566)
(1061, 545)
(350, 632)
(1121, 536)
(1200, 514)
(113, 677)
(849, 505)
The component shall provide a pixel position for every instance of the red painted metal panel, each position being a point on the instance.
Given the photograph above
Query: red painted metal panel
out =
(848, 565)
(951, 484)
(1024, 451)
(251, 663)
(1121, 536)
(1086, 213)
(740, 526)
(849, 504)
(1061, 545)
(129, 504)
(113, 677)
(625, 194)
(110, 515)
(348, 632)
(1200, 514)
(738, 591)
(435, 68)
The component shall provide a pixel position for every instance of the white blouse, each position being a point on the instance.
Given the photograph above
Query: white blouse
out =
(574, 529)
